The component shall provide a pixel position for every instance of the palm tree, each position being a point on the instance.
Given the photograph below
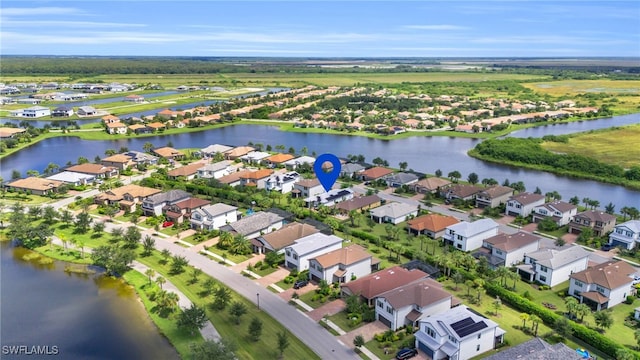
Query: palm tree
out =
(524, 317)
(224, 240)
(571, 303)
(150, 273)
(535, 321)
(502, 272)
(161, 281)
(457, 278)
(581, 310)
(241, 245)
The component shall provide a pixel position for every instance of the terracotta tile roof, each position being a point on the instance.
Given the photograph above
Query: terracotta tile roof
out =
(432, 222)
(279, 158)
(134, 190)
(308, 183)
(287, 235)
(376, 172)
(185, 170)
(167, 152)
(238, 151)
(192, 203)
(110, 118)
(36, 183)
(421, 293)
(115, 125)
(432, 183)
(382, 281)
(527, 198)
(496, 191)
(508, 242)
(345, 256)
(257, 175)
(118, 158)
(233, 177)
(89, 168)
(136, 126)
(610, 275)
(156, 125)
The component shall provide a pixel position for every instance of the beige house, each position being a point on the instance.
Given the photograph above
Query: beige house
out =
(35, 185)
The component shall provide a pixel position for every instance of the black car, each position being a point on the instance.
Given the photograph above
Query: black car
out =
(406, 353)
(300, 283)
(606, 247)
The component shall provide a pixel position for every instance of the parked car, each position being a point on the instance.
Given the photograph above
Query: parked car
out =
(406, 353)
(606, 247)
(167, 224)
(300, 283)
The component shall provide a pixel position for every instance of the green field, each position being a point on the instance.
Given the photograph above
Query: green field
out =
(618, 146)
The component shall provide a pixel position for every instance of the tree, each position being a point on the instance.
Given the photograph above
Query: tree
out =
(177, 264)
(148, 245)
(610, 208)
(15, 174)
(114, 259)
(574, 200)
(497, 305)
(586, 233)
(193, 319)
(150, 274)
(132, 237)
(161, 281)
(49, 214)
(166, 254)
(241, 245)
(223, 296)
(562, 328)
(636, 335)
(116, 234)
(83, 221)
(603, 319)
(82, 160)
(195, 273)
(358, 341)
(537, 191)
(222, 349)
(283, 341)
(472, 178)
(225, 240)
(236, 310)
(535, 321)
(438, 173)
(571, 303)
(524, 317)
(98, 227)
(403, 165)
(255, 329)
(147, 147)
(110, 152)
(624, 354)
(581, 310)
(457, 279)
(454, 175)
(502, 273)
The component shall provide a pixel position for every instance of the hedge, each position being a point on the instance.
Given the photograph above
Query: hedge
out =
(366, 236)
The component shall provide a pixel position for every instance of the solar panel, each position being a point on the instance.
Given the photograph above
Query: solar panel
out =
(462, 323)
(470, 329)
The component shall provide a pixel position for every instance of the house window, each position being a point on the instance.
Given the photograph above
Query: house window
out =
(295, 256)
(543, 268)
(460, 237)
(578, 283)
(389, 309)
(600, 289)
(452, 339)
(459, 246)
(499, 252)
(430, 332)
(543, 278)
(478, 347)
(518, 206)
(479, 335)
(380, 304)
(576, 292)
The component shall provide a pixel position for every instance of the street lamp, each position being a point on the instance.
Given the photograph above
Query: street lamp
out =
(258, 295)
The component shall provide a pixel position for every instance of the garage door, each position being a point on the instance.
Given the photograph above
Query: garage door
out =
(384, 320)
(426, 349)
(619, 243)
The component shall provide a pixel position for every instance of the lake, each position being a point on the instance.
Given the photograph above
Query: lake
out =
(85, 316)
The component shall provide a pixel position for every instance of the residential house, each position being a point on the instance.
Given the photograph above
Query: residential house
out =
(300, 161)
(400, 179)
(371, 286)
(118, 161)
(282, 182)
(29, 101)
(237, 152)
(329, 198)
(523, 204)
(87, 111)
(600, 222)
(214, 149)
(374, 173)
(62, 111)
(493, 196)
(154, 205)
(604, 285)
(459, 333)
(561, 212)
(256, 178)
(233, 179)
(537, 349)
(213, 217)
(187, 172)
(407, 304)
(33, 112)
(342, 265)
(168, 153)
(626, 235)
(35, 185)
(98, 170)
(467, 236)
(393, 213)
(116, 128)
(551, 267)
(351, 169)
(73, 178)
(252, 226)
(279, 239)
(134, 98)
(110, 119)
(508, 249)
(297, 256)
(255, 157)
(10, 133)
(278, 160)
(433, 225)
(460, 191)
(359, 203)
(307, 188)
(126, 197)
(430, 185)
(178, 212)
(156, 126)
(215, 170)
(140, 158)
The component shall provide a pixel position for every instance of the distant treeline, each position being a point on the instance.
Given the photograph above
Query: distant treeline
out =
(529, 153)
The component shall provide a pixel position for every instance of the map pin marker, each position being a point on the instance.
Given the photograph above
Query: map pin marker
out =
(327, 179)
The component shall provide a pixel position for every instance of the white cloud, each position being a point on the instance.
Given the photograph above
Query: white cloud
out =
(442, 27)
(63, 23)
(40, 11)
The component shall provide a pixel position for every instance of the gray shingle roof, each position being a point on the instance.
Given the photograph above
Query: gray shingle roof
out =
(467, 229)
(168, 197)
(394, 210)
(256, 222)
(537, 349)
(556, 259)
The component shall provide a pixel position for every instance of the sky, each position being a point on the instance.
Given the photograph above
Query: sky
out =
(321, 28)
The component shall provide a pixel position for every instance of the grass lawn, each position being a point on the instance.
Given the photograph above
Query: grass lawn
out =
(229, 256)
(27, 200)
(562, 230)
(90, 238)
(247, 349)
(284, 286)
(191, 240)
(341, 319)
(598, 145)
(264, 272)
(58, 253)
(307, 298)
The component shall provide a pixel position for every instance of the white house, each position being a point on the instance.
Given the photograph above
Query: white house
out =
(297, 255)
(342, 265)
(523, 204)
(302, 160)
(408, 303)
(561, 212)
(551, 267)
(255, 157)
(214, 149)
(307, 188)
(508, 249)
(214, 216)
(626, 234)
(329, 198)
(33, 112)
(467, 236)
(393, 213)
(152, 206)
(215, 170)
(73, 178)
(262, 222)
(457, 334)
(282, 182)
(604, 285)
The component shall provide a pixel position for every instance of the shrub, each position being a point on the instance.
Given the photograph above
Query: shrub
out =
(630, 300)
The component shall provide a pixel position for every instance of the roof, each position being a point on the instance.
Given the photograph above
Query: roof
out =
(185, 170)
(561, 206)
(394, 210)
(216, 148)
(116, 125)
(421, 293)
(610, 275)
(595, 215)
(70, 176)
(313, 242)
(372, 285)
(279, 158)
(110, 117)
(239, 151)
(496, 191)
(256, 222)
(301, 160)
(89, 168)
(376, 172)
(350, 168)
(167, 152)
(220, 165)
(468, 229)
(463, 191)
(633, 225)
(432, 222)
(255, 156)
(233, 177)
(346, 256)
(36, 183)
(87, 108)
(192, 203)
(216, 209)
(459, 322)
(358, 202)
(401, 178)
(288, 234)
(257, 175)
(555, 259)
(308, 183)
(133, 190)
(118, 158)
(432, 183)
(508, 242)
(526, 198)
(537, 349)
(169, 196)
